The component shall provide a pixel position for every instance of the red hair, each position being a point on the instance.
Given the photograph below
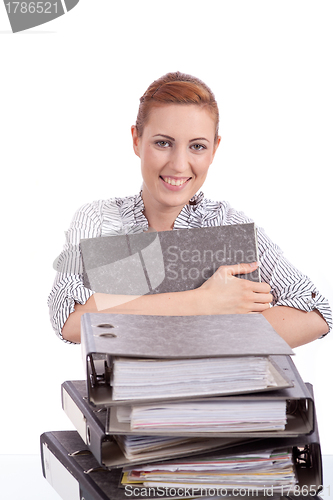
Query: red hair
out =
(176, 88)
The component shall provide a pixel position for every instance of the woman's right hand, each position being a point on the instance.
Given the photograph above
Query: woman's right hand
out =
(224, 293)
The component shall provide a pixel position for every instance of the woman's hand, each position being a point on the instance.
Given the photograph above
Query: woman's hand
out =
(223, 293)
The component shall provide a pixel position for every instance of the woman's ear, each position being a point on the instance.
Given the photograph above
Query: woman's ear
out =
(216, 145)
(136, 140)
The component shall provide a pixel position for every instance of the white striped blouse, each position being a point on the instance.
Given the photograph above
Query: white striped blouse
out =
(115, 216)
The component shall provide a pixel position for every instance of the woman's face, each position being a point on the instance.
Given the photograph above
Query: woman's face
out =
(176, 149)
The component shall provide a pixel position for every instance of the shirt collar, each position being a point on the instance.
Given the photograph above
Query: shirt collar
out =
(184, 218)
(134, 220)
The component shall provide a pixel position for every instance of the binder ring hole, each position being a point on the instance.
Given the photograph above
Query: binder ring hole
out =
(88, 436)
(105, 325)
(107, 334)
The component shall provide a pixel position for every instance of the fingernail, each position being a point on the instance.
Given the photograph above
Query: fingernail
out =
(253, 264)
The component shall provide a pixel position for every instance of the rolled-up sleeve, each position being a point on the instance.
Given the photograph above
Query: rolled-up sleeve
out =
(289, 286)
(68, 287)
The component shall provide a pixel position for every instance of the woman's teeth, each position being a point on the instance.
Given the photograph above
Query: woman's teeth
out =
(174, 182)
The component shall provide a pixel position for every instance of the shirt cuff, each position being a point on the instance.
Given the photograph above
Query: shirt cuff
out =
(309, 301)
(62, 302)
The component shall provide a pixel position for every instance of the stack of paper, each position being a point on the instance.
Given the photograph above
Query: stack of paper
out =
(207, 416)
(132, 378)
(273, 470)
(151, 448)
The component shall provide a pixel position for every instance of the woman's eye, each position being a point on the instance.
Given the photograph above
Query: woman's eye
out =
(198, 147)
(163, 144)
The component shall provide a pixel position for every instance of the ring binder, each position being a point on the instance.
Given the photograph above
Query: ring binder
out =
(166, 261)
(175, 337)
(91, 425)
(108, 453)
(103, 484)
(303, 456)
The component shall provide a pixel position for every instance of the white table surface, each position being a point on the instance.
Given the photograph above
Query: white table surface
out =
(29, 483)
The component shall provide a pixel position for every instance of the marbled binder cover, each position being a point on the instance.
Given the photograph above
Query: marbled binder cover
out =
(166, 261)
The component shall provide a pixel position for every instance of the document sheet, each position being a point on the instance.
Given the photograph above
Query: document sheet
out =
(150, 378)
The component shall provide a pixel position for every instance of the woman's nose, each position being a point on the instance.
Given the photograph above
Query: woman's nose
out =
(180, 160)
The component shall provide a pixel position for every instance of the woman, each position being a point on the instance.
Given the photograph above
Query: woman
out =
(176, 138)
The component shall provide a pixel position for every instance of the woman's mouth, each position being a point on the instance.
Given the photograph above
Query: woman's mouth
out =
(175, 181)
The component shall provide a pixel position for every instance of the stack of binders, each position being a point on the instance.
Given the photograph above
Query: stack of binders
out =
(184, 407)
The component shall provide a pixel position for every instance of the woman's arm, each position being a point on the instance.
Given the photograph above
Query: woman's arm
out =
(296, 327)
(166, 304)
(300, 314)
(223, 293)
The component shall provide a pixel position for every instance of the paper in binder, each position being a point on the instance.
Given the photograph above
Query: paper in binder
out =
(297, 399)
(182, 339)
(185, 378)
(165, 261)
(74, 472)
(253, 471)
(99, 428)
(252, 459)
(108, 449)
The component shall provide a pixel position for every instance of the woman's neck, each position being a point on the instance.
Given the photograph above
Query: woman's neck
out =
(160, 217)
(161, 221)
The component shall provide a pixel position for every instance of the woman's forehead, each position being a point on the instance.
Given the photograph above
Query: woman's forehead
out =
(177, 116)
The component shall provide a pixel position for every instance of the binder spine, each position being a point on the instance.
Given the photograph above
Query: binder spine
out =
(63, 472)
(85, 420)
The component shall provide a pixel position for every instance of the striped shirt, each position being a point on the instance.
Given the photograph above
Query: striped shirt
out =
(116, 216)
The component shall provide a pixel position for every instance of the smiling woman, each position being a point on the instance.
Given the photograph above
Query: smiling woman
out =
(176, 149)
(176, 138)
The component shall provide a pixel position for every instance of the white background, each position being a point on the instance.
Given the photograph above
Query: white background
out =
(69, 92)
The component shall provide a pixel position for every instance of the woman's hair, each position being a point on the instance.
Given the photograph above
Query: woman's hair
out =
(176, 88)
